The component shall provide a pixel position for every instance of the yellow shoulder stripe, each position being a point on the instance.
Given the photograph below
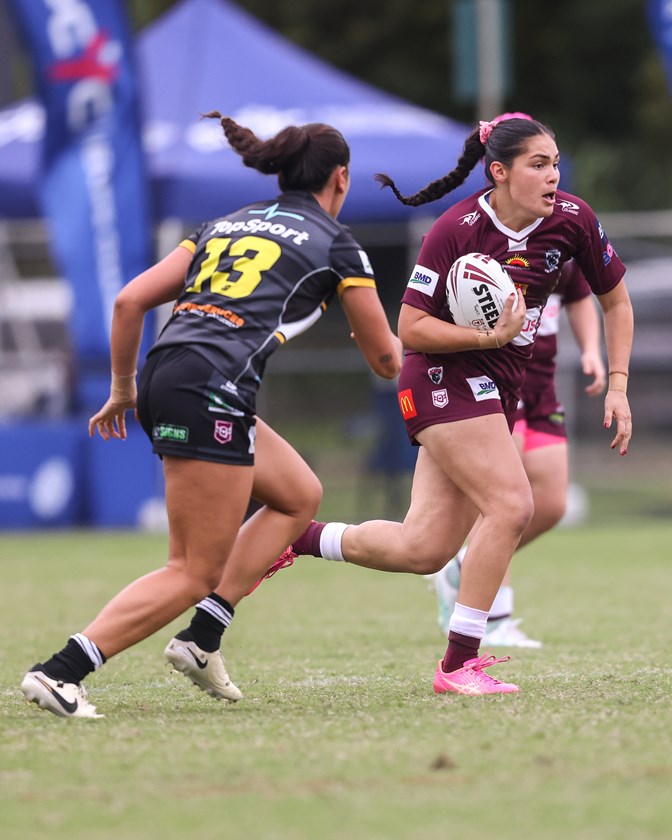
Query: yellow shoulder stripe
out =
(189, 245)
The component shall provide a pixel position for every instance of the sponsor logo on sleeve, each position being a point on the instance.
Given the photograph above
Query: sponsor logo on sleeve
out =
(435, 374)
(406, 404)
(483, 388)
(423, 280)
(223, 431)
(366, 262)
(165, 431)
(440, 398)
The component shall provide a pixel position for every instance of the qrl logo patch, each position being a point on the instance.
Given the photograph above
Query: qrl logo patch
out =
(406, 404)
(483, 388)
(440, 398)
(223, 431)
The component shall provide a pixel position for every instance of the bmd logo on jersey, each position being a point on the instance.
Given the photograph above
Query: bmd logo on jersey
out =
(483, 388)
(223, 431)
(423, 280)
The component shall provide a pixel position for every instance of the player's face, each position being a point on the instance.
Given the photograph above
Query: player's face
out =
(533, 177)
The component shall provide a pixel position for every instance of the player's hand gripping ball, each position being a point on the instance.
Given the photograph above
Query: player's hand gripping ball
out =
(477, 290)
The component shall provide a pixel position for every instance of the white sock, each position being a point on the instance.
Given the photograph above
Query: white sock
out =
(468, 621)
(502, 606)
(90, 649)
(331, 539)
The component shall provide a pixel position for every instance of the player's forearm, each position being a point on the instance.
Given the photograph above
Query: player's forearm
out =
(585, 324)
(618, 333)
(126, 334)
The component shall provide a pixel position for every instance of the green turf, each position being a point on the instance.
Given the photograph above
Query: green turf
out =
(340, 735)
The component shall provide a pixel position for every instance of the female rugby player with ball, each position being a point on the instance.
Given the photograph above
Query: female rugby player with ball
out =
(459, 386)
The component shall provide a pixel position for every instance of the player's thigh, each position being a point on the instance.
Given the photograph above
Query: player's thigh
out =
(440, 515)
(282, 479)
(548, 471)
(206, 502)
(481, 459)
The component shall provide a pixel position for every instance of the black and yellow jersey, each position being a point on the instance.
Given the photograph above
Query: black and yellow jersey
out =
(258, 277)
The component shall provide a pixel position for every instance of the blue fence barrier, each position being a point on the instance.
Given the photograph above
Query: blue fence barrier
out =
(53, 475)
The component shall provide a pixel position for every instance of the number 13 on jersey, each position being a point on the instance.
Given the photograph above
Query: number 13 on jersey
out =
(255, 255)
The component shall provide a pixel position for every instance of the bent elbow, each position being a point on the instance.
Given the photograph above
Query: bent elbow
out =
(387, 369)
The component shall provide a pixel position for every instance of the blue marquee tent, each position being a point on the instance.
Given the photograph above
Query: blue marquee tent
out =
(204, 55)
(207, 55)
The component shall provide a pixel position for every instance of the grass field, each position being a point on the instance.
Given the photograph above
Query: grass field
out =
(340, 734)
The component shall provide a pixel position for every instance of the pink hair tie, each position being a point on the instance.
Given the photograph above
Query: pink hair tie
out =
(485, 128)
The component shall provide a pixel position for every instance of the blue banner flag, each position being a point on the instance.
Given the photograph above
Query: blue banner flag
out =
(93, 186)
(660, 21)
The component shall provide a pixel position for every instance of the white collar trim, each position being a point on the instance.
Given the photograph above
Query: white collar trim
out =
(515, 235)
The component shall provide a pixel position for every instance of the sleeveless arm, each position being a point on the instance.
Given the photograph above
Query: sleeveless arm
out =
(371, 330)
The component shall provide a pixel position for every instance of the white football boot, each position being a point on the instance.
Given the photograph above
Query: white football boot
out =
(68, 700)
(505, 632)
(205, 670)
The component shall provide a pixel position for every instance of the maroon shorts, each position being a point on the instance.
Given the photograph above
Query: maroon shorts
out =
(540, 408)
(429, 394)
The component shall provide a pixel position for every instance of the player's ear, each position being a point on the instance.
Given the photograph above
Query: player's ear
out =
(342, 179)
(498, 172)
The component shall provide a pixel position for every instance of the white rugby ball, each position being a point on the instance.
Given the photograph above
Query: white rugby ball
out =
(476, 291)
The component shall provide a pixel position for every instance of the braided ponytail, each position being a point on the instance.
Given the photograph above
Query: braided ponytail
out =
(505, 140)
(303, 157)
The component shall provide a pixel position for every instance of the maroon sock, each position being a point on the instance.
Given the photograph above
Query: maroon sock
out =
(460, 649)
(309, 541)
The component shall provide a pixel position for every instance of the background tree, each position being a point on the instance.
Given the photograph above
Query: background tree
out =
(589, 70)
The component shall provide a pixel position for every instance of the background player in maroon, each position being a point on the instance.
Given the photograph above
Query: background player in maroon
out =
(243, 285)
(540, 435)
(468, 464)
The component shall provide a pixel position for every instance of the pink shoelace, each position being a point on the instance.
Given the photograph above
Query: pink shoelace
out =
(485, 662)
(286, 559)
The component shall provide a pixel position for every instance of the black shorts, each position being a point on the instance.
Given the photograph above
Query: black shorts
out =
(190, 410)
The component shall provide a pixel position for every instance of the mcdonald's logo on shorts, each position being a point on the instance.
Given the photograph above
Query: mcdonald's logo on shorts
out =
(406, 404)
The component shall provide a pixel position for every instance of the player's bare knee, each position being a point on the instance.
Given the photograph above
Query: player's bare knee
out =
(515, 512)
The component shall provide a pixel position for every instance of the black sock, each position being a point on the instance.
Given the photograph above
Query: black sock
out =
(206, 629)
(70, 665)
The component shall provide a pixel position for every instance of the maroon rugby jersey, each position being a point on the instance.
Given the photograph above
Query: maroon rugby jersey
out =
(534, 258)
(571, 287)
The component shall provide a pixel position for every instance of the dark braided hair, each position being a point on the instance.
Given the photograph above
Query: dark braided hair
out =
(506, 141)
(303, 157)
